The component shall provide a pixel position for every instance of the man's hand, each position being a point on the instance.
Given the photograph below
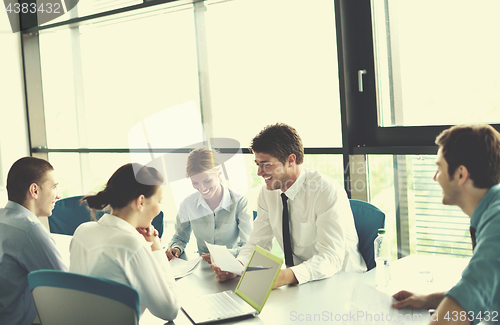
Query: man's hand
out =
(405, 298)
(173, 253)
(206, 257)
(220, 275)
(285, 277)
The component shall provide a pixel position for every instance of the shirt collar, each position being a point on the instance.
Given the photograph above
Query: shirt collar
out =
(492, 193)
(225, 202)
(292, 191)
(21, 209)
(117, 222)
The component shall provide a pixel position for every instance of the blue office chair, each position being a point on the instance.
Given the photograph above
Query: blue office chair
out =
(70, 212)
(367, 220)
(63, 298)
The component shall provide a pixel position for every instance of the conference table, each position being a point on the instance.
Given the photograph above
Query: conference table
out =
(345, 298)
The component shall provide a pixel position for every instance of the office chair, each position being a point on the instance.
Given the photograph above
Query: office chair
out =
(63, 298)
(367, 220)
(69, 213)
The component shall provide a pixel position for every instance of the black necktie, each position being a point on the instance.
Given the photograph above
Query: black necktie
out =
(473, 236)
(287, 244)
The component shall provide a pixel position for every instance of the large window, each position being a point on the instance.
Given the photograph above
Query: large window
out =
(436, 62)
(168, 76)
(368, 82)
(274, 61)
(100, 79)
(403, 187)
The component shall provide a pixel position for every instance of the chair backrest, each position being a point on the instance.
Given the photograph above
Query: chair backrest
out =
(69, 213)
(367, 219)
(63, 298)
(158, 223)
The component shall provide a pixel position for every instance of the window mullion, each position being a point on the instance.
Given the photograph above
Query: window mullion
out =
(203, 75)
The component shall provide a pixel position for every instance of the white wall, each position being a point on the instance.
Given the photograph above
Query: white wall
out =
(13, 128)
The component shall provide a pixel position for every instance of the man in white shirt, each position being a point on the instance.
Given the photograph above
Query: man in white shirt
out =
(25, 244)
(320, 239)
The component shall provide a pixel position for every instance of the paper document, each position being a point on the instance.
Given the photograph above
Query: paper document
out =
(221, 257)
(181, 267)
(374, 307)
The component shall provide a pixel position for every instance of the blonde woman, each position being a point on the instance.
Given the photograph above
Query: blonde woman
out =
(214, 213)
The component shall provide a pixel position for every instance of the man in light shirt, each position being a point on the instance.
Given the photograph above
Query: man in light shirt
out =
(25, 244)
(320, 236)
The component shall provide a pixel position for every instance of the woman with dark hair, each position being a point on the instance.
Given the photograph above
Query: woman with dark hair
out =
(123, 245)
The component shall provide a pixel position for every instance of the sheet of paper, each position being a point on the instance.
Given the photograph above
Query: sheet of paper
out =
(221, 257)
(371, 306)
(181, 267)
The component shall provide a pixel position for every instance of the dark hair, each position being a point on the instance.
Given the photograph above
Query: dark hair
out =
(477, 147)
(126, 185)
(280, 141)
(22, 174)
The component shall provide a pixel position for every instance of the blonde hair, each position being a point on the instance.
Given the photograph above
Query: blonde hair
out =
(199, 161)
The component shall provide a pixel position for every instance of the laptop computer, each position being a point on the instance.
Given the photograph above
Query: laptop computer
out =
(248, 298)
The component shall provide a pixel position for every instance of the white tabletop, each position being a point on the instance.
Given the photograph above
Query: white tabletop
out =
(328, 298)
(324, 299)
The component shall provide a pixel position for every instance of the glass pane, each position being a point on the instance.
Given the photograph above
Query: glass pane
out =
(102, 79)
(434, 228)
(81, 8)
(436, 62)
(274, 61)
(439, 229)
(380, 174)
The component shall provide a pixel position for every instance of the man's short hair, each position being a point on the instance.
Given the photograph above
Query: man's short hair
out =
(477, 147)
(280, 141)
(22, 174)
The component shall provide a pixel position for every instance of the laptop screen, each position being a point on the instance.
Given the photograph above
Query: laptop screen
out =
(257, 281)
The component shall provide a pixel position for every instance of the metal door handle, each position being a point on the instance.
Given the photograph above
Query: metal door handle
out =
(360, 80)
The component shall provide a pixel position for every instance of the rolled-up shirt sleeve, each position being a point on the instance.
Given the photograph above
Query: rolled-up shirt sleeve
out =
(182, 234)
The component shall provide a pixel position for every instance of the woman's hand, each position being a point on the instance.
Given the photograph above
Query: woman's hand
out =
(173, 253)
(151, 236)
(206, 257)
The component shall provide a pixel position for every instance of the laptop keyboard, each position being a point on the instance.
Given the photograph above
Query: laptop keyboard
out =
(220, 305)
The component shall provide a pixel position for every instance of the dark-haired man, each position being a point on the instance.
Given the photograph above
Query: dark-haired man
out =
(468, 171)
(25, 244)
(319, 238)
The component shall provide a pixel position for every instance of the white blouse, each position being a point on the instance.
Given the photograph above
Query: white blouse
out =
(111, 248)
